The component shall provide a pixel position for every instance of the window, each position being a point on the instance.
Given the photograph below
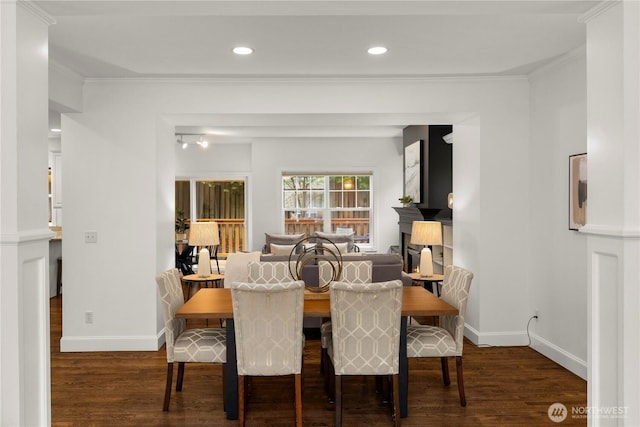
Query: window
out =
(221, 201)
(329, 203)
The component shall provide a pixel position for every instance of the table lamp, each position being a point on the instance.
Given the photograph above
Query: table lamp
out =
(426, 233)
(204, 234)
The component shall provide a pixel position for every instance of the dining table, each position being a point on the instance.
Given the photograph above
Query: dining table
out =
(215, 303)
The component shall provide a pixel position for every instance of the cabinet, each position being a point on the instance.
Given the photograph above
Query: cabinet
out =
(443, 255)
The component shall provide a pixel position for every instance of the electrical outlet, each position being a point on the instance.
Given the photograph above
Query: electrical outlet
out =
(91, 237)
(88, 317)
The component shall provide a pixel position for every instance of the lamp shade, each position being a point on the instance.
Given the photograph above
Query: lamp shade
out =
(426, 233)
(204, 234)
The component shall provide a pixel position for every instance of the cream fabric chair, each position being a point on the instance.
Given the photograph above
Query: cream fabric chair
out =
(270, 272)
(237, 267)
(268, 330)
(365, 336)
(446, 340)
(200, 345)
(352, 272)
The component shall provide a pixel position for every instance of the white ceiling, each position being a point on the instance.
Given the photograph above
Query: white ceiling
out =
(311, 39)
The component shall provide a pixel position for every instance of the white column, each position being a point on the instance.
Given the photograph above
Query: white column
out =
(613, 214)
(24, 235)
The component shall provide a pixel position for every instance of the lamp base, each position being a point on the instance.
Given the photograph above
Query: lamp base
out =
(204, 263)
(426, 263)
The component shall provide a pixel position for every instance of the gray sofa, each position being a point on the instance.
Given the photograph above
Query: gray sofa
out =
(384, 267)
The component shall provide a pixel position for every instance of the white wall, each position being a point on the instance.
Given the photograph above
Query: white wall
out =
(120, 162)
(378, 155)
(24, 232)
(558, 255)
(613, 210)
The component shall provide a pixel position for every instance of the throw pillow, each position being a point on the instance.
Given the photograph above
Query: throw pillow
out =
(283, 239)
(280, 249)
(338, 238)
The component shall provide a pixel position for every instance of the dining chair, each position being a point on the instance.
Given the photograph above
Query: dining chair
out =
(365, 337)
(268, 330)
(197, 345)
(236, 268)
(446, 340)
(270, 272)
(351, 272)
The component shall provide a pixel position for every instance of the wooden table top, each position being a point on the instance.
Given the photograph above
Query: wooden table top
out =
(432, 278)
(215, 303)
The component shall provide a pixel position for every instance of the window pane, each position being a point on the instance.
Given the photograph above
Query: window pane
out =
(335, 183)
(364, 199)
(317, 182)
(219, 199)
(357, 221)
(183, 198)
(349, 199)
(335, 199)
(363, 182)
(349, 183)
(317, 199)
(345, 198)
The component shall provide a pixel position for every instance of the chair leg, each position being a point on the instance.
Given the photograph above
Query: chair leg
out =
(463, 399)
(338, 400)
(241, 402)
(180, 376)
(331, 381)
(395, 394)
(298, 381)
(167, 389)
(445, 370)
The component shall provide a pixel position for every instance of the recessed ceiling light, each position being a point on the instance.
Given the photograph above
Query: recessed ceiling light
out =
(56, 130)
(377, 50)
(242, 50)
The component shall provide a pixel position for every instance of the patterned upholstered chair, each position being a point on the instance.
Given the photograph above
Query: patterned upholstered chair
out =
(202, 345)
(270, 272)
(352, 272)
(236, 268)
(268, 329)
(446, 340)
(365, 337)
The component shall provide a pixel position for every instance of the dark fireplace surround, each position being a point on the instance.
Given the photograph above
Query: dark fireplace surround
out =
(436, 173)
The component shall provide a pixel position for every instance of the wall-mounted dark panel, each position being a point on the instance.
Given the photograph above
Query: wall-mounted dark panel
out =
(435, 168)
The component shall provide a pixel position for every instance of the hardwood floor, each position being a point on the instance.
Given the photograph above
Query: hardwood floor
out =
(505, 386)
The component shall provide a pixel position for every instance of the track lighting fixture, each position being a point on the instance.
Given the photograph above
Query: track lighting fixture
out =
(186, 139)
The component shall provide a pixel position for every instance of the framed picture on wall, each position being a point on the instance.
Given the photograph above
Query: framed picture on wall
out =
(412, 179)
(577, 191)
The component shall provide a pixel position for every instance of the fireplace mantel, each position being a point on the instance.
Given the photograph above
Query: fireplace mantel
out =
(407, 216)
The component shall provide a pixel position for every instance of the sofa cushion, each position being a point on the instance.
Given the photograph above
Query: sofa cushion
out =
(336, 238)
(283, 239)
(276, 249)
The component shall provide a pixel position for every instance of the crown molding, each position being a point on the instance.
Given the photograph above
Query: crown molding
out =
(577, 53)
(36, 11)
(597, 10)
(63, 69)
(307, 80)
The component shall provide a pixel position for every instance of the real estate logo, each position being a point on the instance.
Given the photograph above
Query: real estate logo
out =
(557, 412)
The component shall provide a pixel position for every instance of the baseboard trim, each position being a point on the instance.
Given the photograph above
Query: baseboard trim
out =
(497, 339)
(114, 343)
(505, 339)
(560, 356)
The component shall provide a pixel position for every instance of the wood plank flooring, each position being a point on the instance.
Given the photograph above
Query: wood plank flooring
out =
(505, 386)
